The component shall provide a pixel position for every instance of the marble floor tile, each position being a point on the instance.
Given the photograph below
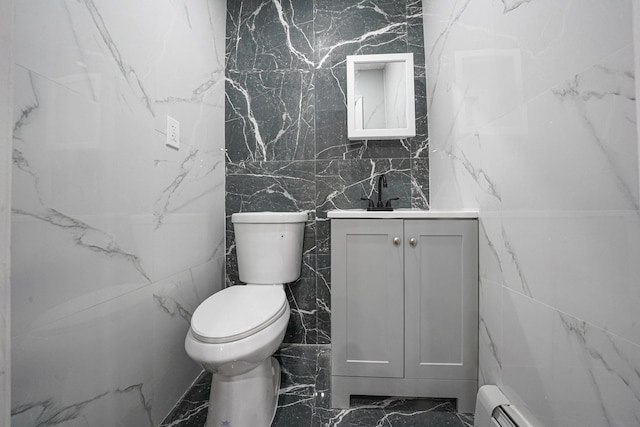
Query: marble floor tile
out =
(191, 411)
(305, 400)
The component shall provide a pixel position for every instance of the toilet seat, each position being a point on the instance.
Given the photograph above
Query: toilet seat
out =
(238, 312)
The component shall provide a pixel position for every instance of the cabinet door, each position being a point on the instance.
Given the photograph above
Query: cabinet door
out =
(367, 298)
(441, 296)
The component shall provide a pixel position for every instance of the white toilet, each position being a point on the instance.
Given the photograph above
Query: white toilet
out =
(235, 332)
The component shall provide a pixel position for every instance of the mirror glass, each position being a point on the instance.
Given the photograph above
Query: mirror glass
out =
(380, 100)
(380, 90)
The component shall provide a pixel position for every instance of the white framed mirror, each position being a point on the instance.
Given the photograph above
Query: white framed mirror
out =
(380, 97)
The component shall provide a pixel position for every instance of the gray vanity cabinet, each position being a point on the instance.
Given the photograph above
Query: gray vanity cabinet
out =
(404, 303)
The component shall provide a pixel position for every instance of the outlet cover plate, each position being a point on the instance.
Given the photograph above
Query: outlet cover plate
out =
(173, 132)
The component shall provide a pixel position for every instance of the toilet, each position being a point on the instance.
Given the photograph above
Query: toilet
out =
(235, 332)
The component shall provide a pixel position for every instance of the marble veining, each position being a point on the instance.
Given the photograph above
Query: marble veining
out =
(436, 44)
(323, 299)
(597, 85)
(86, 236)
(478, 174)
(358, 27)
(361, 39)
(287, 31)
(168, 193)
(605, 353)
(173, 308)
(510, 5)
(272, 111)
(46, 413)
(513, 261)
(134, 81)
(486, 333)
(302, 326)
(26, 110)
(265, 35)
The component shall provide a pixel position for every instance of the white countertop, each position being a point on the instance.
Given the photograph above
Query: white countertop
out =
(400, 213)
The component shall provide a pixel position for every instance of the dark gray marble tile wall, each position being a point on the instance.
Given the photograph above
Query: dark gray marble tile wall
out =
(286, 126)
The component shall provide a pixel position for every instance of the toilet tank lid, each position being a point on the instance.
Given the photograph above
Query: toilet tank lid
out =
(268, 217)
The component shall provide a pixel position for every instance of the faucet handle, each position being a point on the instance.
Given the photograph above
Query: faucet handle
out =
(371, 205)
(388, 203)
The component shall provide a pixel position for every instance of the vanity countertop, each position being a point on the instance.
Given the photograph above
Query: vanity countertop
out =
(400, 213)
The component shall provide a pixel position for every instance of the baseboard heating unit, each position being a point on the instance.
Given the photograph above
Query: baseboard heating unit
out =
(493, 409)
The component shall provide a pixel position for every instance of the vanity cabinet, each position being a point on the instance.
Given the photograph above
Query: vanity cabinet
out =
(404, 309)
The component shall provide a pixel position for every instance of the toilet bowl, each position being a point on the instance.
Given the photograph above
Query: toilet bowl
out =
(235, 332)
(246, 379)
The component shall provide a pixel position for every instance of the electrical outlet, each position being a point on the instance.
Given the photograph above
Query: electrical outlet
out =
(173, 132)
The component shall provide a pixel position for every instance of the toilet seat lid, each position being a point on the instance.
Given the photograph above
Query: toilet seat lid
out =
(238, 312)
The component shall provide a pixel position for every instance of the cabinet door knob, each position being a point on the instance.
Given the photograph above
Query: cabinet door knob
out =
(396, 241)
(413, 242)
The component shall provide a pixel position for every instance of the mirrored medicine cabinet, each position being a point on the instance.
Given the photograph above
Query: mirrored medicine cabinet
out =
(380, 96)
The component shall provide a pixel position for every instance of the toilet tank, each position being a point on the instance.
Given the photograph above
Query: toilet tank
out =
(269, 246)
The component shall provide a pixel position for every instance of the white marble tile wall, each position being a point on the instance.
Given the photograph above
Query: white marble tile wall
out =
(532, 120)
(6, 126)
(116, 238)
